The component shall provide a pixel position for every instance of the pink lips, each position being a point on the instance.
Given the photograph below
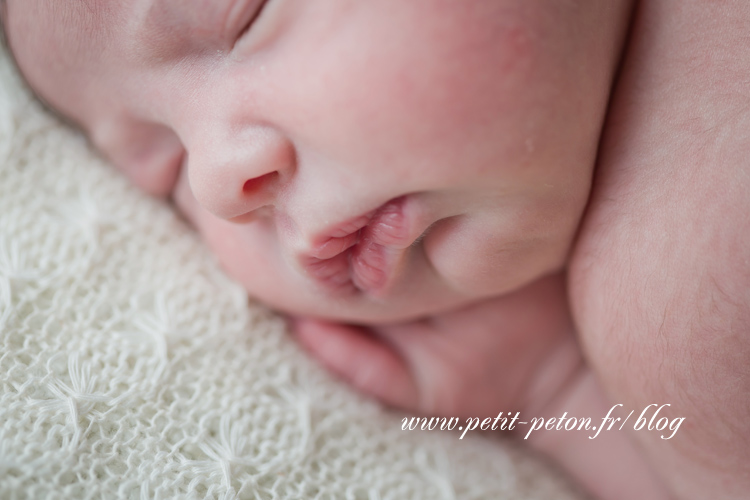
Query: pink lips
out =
(362, 253)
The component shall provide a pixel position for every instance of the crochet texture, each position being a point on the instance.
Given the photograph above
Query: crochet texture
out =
(132, 367)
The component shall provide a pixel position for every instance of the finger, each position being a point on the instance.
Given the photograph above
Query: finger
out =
(438, 367)
(360, 358)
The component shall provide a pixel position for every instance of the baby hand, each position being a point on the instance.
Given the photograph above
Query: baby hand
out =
(510, 353)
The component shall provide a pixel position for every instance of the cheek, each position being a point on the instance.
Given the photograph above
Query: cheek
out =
(488, 255)
(249, 253)
(242, 251)
(406, 86)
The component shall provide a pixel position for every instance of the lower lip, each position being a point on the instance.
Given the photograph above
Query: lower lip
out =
(364, 253)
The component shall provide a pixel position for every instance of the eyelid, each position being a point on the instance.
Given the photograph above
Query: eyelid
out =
(251, 11)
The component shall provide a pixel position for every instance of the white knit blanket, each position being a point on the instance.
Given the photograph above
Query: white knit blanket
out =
(132, 367)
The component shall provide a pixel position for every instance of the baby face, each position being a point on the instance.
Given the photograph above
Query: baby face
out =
(367, 161)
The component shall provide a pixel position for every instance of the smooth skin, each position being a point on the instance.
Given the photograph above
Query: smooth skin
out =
(660, 276)
(486, 117)
(272, 130)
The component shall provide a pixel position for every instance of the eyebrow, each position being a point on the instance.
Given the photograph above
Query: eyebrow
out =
(157, 33)
(165, 32)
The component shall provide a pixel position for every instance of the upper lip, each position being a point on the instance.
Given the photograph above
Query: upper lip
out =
(362, 253)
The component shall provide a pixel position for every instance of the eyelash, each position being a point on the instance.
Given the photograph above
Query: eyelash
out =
(254, 17)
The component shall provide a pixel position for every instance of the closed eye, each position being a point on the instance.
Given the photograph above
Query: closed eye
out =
(254, 11)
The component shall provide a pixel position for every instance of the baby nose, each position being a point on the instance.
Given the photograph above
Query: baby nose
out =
(232, 180)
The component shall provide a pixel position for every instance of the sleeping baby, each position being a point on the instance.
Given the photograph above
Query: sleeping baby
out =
(413, 184)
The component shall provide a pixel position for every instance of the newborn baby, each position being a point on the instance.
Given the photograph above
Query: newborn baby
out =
(420, 169)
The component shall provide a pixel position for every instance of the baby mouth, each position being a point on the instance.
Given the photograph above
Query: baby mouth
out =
(364, 254)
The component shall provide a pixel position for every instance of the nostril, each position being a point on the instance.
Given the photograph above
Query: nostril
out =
(257, 184)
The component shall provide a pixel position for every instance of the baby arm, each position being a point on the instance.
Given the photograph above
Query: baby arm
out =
(660, 278)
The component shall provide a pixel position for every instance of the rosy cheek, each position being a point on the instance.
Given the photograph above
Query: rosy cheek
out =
(483, 257)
